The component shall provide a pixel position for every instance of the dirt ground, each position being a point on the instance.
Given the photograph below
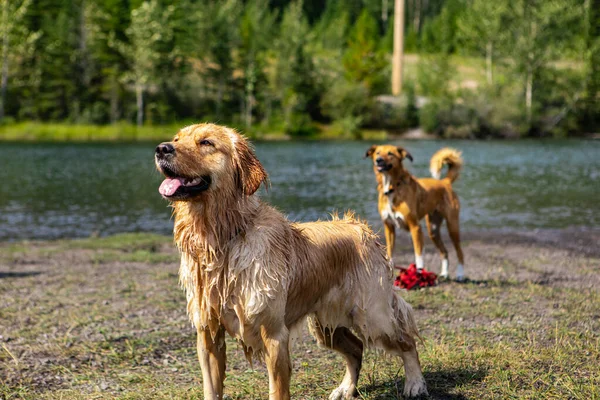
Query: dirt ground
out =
(105, 318)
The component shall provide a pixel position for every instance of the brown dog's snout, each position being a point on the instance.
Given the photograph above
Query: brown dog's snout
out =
(164, 149)
(379, 161)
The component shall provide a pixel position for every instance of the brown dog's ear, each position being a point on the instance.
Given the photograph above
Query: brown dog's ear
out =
(369, 152)
(404, 154)
(250, 173)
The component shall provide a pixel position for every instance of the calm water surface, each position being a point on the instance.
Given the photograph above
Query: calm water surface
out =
(76, 190)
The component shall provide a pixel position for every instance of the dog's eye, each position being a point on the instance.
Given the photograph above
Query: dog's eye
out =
(176, 139)
(391, 154)
(205, 142)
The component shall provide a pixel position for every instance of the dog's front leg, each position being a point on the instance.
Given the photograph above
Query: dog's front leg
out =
(417, 238)
(277, 357)
(390, 237)
(211, 353)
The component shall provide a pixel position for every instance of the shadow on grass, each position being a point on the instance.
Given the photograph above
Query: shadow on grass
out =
(18, 274)
(439, 384)
(480, 282)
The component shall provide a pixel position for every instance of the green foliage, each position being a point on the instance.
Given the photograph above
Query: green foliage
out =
(293, 65)
(440, 32)
(434, 76)
(291, 73)
(590, 111)
(345, 99)
(16, 42)
(363, 60)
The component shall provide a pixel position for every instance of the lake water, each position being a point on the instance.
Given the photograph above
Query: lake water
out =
(77, 190)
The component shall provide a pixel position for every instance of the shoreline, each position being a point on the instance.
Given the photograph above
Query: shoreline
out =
(33, 132)
(581, 239)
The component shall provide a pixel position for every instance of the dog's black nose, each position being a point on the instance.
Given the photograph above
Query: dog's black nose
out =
(379, 160)
(164, 149)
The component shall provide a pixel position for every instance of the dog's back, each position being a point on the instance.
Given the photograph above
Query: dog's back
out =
(345, 269)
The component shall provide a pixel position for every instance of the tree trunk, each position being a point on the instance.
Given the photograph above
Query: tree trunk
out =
(114, 99)
(139, 96)
(269, 109)
(529, 95)
(220, 89)
(83, 39)
(250, 79)
(5, 44)
(423, 4)
(384, 12)
(398, 47)
(417, 16)
(489, 73)
(592, 101)
(249, 101)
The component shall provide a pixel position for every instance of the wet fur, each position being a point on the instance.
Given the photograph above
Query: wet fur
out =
(404, 200)
(248, 271)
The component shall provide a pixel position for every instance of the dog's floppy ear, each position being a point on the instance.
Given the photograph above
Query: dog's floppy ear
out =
(404, 154)
(250, 173)
(369, 152)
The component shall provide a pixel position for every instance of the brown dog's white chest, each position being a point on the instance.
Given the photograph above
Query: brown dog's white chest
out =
(390, 216)
(389, 213)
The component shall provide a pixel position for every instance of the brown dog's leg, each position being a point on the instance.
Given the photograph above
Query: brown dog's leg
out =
(434, 223)
(454, 232)
(350, 347)
(277, 358)
(417, 238)
(211, 353)
(390, 237)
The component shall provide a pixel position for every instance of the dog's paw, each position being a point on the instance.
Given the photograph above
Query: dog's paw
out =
(414, 388)
(343, 393)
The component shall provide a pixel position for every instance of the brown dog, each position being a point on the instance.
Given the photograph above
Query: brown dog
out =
(248, 271)
(404, 200)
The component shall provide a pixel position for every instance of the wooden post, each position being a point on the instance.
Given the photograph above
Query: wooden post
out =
(398, 47)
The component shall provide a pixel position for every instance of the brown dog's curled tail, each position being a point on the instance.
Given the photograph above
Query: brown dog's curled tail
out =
(450, 157)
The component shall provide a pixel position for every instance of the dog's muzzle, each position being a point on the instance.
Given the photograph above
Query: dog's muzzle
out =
(381, 165)
(164, 150)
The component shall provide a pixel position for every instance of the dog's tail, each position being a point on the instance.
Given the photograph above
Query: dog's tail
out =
(405, 318)
(446, 156)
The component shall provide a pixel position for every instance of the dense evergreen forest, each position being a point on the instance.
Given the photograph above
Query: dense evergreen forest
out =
(473, 68)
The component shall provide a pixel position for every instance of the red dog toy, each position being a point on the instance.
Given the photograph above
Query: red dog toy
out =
(411, 278)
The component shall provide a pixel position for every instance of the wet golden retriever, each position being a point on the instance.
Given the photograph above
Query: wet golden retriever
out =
(404, 200)
(248, 271)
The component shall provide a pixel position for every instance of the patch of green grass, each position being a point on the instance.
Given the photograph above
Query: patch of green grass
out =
(123, 241)
(60, 132)
(141, 256)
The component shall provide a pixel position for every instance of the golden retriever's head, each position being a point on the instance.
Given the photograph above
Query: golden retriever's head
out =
(387, 157)
(207, 158)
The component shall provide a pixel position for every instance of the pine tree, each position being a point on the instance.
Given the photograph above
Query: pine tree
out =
(363, 60)
(218, 37)
(481, 27)
(148, 30)
(16, 40)
(256, 29)
(540, 30)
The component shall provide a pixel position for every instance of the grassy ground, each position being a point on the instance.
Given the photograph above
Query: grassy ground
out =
(105, 318)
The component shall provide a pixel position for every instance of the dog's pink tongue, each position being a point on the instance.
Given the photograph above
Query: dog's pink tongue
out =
(169, 186)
